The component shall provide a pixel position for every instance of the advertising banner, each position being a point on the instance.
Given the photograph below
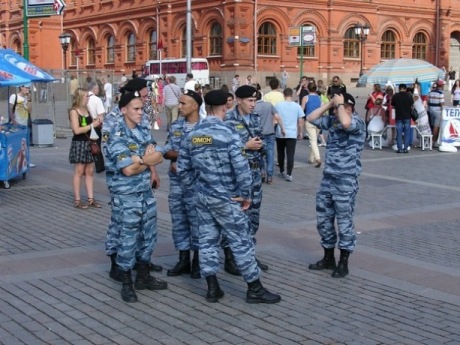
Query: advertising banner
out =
(450, 126)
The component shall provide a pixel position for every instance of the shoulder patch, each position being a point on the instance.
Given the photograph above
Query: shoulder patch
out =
(132, 147)
(177, 133)
(202, 140)
(239, 126)
(105, 136)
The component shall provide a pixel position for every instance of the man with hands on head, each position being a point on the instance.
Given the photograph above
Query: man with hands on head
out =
(335, 199)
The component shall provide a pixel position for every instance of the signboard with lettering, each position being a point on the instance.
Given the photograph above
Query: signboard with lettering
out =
(450, 126)
(302, 36)
(44, 8)
(294, 36)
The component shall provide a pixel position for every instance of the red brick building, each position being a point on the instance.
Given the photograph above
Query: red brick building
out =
(241, 36)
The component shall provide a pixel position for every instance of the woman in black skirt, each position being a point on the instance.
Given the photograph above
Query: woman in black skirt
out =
(81, 123)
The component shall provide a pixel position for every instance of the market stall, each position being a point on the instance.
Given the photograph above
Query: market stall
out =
(15, 140)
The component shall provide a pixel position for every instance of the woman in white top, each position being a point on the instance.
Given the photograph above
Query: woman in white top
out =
(455, 93)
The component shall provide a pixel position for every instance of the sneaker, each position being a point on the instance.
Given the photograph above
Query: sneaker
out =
(289, 178)
(32, 165)
(281, 175)
(323, 145)
(270, 180)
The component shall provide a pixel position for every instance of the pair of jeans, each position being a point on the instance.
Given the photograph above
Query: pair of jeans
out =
(268, 160)
(403, 126)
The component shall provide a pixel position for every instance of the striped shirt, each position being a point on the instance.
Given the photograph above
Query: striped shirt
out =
(172, 95)
(436, 99)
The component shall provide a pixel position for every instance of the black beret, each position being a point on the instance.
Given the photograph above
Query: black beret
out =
(197, 98)
(348, 99)
(245, 91)
(127, 97)
(136, 84)
(216, 97)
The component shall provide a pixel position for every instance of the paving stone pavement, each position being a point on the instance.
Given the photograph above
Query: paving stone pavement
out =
(403, 286)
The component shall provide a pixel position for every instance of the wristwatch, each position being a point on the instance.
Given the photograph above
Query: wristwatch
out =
(141, 160)
(338, 105)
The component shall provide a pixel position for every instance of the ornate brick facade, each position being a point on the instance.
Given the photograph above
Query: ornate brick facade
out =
(241, 36)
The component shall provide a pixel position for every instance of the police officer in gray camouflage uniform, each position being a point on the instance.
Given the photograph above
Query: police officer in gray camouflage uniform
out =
(211, 159)
(113, 231)
(335, 199)
(248, 125)
(181, 202)
(130, 151)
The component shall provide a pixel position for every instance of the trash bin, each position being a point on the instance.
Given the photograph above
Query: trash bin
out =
(42, 132)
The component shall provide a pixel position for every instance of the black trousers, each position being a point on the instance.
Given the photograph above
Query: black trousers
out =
(286, 147)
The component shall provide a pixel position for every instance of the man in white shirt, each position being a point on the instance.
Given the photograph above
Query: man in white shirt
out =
(96, 110)
(108, 90)
(190, 82)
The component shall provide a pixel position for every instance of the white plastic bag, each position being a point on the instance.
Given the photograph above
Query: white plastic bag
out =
(93, 135)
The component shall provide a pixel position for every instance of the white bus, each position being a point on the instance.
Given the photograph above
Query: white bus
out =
(178, 68)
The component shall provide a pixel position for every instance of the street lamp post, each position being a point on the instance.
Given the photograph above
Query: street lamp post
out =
(361, 32)
(65, 41)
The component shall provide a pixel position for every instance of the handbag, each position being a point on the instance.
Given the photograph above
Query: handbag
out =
(414, 114)
(94, 147)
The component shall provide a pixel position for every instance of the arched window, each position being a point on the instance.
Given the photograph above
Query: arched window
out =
(91, 49)
(388, 45)
(310, 32)
(153, 45)
(74, 53)
(17, 47)
(184, 42)
(110, 49)
(351, 44)
(215, 39)
(130, 47)
(419, 46)
(266, 40)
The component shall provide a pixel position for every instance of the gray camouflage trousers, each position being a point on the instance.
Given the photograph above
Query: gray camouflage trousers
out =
(138, 227)
(183, 216)
(335, 200)
(253, 212)
(218, 217)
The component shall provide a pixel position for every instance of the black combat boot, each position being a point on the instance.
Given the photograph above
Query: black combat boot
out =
(230, 265)
(326, 263)
(152, 267)
(145, 281)
(262, 266)
(196, 265)
(115, 271)
(214, 290)
(342, 268)
(258, 294)
(183, 266)
(127, 292)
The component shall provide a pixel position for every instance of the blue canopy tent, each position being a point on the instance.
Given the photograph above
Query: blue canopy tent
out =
(17, 71)
(9, 79)
(15, 64)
